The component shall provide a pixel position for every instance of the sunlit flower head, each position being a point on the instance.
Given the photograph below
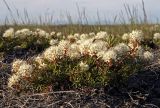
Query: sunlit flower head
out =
(137, 35)
(85, 46)
(53, 42)
(100, 54)
(40, 61)
(84, 36)
(9, 33)
(156, 36)
(59, 34)
(64, 44)
(110, 55)
(53, 33)
(73, 51)
(148, 56)
(92, 34)
(16, 64)
(84, 66)
(101, 35)
(77, 36)
(25, 70)
(71, 38)
(97, 47)
(50, 53)
(42, 34)
(13, 80)
(125, 36)
(122, 48)
(23, 33)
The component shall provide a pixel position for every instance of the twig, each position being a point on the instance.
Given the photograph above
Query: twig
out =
(152, 105)
(68, 103)
(54, 103)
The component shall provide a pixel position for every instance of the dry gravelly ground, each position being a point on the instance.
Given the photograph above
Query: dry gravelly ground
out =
(141, 91)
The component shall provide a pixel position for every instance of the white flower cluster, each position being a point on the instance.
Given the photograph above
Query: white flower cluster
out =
(20, 70)
(53, 42)
(84, 45)
(23, 33)
(135, 35)
(90, 44)
(9, 33)
(125, 36)
(148, 56)
(135, 38)
(101, 35)
(43, 34)
(40, 61)
(109, 56)
(122, 49)
(156, 36)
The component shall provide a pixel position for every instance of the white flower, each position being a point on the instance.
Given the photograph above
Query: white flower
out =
(110, 55)
(77, 36)
(101, 35)
(9, 33)
(71, 38)
(42, 33)
(137, 35)
(26, 32)
(125, 36)
(13, 80)
(59, 34)
(25, 70)
(48, 36)
(100, 54)
(79, 42)
(64, 44)
(53, 42)
(16, 64)
(121, 48)
(40, 61)
(84, 66)
(97, 46)
(84, 36)
(23, 33)
(156, 36)
(50, 53)
(85, 46)
(92, 34)
(148, 56)
(73, 51)
(53, 33)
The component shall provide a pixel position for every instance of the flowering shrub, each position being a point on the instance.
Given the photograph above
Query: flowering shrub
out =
(24, 39)
(79, 60)
(156, 38)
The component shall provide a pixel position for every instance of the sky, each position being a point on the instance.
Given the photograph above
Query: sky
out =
(60, 10)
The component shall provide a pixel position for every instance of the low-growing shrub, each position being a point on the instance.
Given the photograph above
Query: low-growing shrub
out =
(82, 60)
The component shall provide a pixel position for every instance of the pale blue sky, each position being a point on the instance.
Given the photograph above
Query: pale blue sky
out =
(107, 9)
